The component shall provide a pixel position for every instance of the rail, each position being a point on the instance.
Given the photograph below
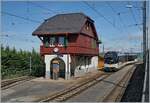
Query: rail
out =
(12, 82)
(70, 92)
(117, 92)
(76, 89)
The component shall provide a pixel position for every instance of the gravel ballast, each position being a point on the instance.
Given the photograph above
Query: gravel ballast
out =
(133, 92)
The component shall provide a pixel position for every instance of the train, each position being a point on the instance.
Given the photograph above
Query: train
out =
(113, 60)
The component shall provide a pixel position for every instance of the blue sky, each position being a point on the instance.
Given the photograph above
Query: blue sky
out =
(117, 32)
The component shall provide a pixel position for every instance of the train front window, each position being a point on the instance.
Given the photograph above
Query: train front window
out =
(110, 58)
(110, 55)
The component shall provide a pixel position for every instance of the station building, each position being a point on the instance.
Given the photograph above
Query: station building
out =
(70, 45)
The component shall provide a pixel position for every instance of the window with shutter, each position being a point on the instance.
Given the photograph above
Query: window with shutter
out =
(52, 41)
(46, 41)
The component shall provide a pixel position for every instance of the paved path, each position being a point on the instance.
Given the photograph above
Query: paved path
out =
(37, 88)
(31, 90)
(102, 89)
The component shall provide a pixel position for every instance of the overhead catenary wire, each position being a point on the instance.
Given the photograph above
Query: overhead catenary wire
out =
(42, 7)
(24, 18)
(93, 8)
(101, 15)
(132, 13)
(113, 10)
(25, 38)
(27, 9)
(22, 40)
(111, 7)
(121, 20)
(139, 11)
(31, 20)
(17, 16)
(134, 24)
(98, 13)
(119, 15)
(134, 18)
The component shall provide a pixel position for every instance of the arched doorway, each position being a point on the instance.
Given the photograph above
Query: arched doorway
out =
(57, 65)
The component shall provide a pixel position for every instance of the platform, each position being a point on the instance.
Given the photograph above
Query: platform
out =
(39, 87)
(100, 91)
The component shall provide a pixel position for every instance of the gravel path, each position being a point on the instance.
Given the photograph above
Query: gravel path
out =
(134, 89)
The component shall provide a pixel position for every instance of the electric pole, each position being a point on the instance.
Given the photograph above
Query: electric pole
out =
(103, 48)
(144, 31)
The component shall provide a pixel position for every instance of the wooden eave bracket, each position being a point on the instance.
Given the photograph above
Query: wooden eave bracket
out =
(40, 38)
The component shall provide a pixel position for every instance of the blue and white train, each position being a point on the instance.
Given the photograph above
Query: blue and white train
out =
(113, 60)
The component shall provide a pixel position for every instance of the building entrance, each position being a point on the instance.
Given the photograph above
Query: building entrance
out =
(57, 68)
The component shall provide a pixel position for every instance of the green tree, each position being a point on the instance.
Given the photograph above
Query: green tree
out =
(16, 63)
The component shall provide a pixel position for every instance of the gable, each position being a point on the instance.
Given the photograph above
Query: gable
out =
(89, 29)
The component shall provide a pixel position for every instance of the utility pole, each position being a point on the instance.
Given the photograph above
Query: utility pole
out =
(30, 65)
(103, 48)
(144, 32)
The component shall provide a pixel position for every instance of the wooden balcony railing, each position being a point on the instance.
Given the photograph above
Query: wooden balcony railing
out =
(70, 50)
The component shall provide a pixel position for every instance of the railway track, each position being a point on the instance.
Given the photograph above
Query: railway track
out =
(12, 82)
(74, 90)
(116, 94)
(66, 94)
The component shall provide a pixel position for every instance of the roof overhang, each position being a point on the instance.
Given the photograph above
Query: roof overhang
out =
(48, 33)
